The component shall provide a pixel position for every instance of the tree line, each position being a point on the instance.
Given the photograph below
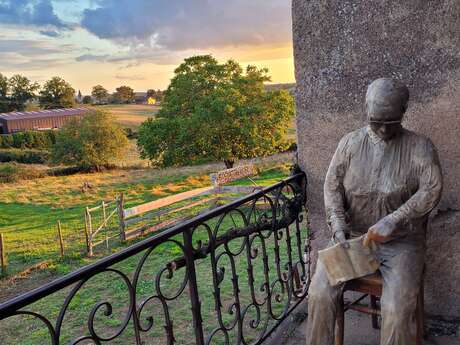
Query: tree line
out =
(17, 92)
(122, 95)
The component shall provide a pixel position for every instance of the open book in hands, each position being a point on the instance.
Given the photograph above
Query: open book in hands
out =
(343, 264)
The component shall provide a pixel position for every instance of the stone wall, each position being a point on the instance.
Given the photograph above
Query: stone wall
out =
(340, 46)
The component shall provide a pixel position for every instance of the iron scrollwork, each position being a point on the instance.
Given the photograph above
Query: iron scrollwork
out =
(251, 257)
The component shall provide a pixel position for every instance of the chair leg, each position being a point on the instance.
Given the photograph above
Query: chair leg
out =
(340, 322)
(375, 321)
(420, 317)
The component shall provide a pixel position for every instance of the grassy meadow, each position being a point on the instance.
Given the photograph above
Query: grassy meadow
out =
(66, 200)
(29, 211)
(131, 115)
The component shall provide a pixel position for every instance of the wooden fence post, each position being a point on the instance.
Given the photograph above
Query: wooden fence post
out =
(89, 232)
(121, 216)
(3, 256)
(61, 240)
(104, 214)
(86, 231)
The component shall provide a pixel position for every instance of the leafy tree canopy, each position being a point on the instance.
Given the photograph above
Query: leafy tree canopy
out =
(21, 90)
(57, 93)
(158, 94)
(4, 89)
(87, 100)
(91, 142)
(215, 111)
(100, 94)
(124, 94)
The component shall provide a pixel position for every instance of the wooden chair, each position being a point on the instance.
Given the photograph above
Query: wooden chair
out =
(372, 286)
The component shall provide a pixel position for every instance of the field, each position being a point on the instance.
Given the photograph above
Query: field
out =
(131, 115)
(43, 205)
(29, 210)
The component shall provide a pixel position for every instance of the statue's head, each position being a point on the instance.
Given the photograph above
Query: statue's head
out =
(386, 103)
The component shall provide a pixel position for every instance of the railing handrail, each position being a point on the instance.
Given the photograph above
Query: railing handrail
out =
(9, 307)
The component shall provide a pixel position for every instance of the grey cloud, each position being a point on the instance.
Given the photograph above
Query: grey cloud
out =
(130, 77)
(29, 48)
(49, 33)
(91, 57)
(30, 12)
(31, 54)
(185, 24)
(11, 63)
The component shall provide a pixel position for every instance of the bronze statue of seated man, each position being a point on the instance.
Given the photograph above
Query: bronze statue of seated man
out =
(383, 181)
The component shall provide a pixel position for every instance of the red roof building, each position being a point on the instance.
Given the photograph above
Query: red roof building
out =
(38, 120)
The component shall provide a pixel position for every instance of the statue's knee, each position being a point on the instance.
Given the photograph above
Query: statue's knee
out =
(320, 295)
(398, 310)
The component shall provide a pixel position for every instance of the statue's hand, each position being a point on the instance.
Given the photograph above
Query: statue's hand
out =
(339, 237)
(380, 232)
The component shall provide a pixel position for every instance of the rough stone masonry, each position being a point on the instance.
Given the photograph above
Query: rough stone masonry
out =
(340, 46)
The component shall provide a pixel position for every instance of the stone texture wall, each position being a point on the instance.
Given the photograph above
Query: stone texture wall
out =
(340, 46)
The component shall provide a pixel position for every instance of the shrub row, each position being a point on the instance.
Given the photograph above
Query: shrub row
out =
(25, 156)
(12, 172)
(40, 140)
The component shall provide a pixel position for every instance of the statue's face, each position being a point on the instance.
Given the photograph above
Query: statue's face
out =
(385, 121)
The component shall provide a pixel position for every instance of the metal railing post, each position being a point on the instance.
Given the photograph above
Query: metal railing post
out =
(193, 287)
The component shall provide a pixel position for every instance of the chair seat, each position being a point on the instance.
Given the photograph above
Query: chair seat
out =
(371, 284)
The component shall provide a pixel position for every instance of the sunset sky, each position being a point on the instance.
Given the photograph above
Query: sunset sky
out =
(140, 42)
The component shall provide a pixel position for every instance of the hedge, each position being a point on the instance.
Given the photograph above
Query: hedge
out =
(25, 156)
(12, 172)
(40, 140)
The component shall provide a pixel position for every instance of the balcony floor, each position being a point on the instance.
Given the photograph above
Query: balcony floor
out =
(358, 331)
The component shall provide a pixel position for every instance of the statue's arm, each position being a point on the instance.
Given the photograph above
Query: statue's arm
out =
(334, 193)
(429, 191)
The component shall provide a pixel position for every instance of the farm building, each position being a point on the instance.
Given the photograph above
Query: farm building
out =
(38, 120)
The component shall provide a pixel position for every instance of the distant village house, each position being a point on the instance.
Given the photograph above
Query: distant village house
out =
(141, 98)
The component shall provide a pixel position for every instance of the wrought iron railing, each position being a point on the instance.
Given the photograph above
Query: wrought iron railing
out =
(229, 276)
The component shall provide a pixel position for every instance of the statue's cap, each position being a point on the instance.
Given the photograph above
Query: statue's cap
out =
(387, 92)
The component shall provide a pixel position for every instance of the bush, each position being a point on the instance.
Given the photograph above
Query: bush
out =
(24, 156)
(94, 141)
(40, 140)
(13, 172)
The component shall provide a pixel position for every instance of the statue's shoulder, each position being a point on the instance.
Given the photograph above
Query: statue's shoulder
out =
(355, 136)
(417, 139)
(352, 139)
(421, 145)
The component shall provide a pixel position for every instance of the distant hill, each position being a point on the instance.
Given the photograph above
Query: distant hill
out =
(288, 86)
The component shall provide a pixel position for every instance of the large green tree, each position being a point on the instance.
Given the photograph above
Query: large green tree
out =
(100, 94)
(124, 94)
(21, 90)
(218, 112)
(91, 142)
(57, 93)
(4, 89)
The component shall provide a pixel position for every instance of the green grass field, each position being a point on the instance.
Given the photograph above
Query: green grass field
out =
(131, 115)
(27, 209)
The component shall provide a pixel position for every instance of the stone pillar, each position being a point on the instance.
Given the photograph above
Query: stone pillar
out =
(340, 46)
